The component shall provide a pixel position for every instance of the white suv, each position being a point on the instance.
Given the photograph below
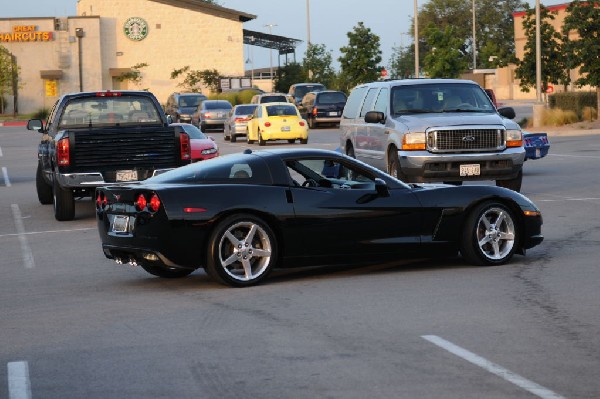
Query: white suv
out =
(432, 130)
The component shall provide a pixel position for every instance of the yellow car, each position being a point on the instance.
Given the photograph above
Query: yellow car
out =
(277, 121)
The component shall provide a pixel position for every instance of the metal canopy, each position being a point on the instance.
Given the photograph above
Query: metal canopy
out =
(285, 45)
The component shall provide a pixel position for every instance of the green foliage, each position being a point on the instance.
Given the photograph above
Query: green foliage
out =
(573, 101)
(235, 97)
(317, 65)
(360, 59)
(193, 79)
(554, 62)
(134, 74)
(245, 96)
(9, 76)
(402, 62)
(446, 59)
(41, 113)
(288, 75)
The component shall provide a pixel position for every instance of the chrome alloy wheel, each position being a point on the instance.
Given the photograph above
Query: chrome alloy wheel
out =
(245, 251)
(495, 233)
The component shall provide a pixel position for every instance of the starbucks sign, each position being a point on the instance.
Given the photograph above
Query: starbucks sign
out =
(136, 28)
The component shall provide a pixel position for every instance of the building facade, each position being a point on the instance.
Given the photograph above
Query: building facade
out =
(92, 50)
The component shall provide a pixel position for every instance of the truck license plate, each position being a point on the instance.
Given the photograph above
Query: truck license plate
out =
(334, 113)
(120, 224)
(127, 175)
(470, 170)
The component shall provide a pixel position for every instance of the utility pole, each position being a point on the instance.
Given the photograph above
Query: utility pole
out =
(270, 26)
(416, 40)
(474, 40)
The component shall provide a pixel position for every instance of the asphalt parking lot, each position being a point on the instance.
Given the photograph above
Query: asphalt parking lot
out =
(74, 324)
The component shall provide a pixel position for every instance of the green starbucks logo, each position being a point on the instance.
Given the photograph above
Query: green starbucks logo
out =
(136, 28)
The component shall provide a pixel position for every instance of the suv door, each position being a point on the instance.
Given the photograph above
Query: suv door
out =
(364, 146)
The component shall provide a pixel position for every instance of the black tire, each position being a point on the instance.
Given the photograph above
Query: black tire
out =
(162, 271)
(225, 136)
(233, 138)
(248, 138)
(202, 126)
(242, 251)
(261, 141)
(490, 235)
(291, 141)
(512, 184)
(64, 203)
(44, 190)
(303, 141)
(311, 123)
(393, 165)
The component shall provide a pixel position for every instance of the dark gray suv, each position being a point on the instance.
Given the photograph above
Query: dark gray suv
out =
(433, 130)
(181, 106)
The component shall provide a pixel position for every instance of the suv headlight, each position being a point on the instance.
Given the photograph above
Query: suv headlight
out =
(514, 138)
(413, 141)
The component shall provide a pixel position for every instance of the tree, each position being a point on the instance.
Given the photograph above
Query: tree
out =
(553, 60)
(192, 80)
(583, 18)
(360, 59)
(445, 60)
(402, 62)
(9, 77)
(287, 76)
(134, 75)
(317, 64)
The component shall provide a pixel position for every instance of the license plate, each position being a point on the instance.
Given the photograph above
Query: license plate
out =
(538, 152)
(332, 114)
(120, 224)
(470, 170)
(285, 128)
(127, 175)
(220, 115)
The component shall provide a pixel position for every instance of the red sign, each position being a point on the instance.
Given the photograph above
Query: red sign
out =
(384, 73)
(550, 89)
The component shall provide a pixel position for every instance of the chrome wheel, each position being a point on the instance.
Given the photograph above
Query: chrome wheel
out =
(495, 234)
(244, 251)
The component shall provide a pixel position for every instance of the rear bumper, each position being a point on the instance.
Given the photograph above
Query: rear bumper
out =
(95, 179)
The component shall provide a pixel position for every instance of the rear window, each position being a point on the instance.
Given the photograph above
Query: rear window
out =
(191, 101)
(300, 91)
(109, 111)
(218, 105)
(245, 109)
(281, 110)
(331, 98)
(273, 99)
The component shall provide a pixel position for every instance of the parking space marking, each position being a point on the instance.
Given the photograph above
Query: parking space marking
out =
(19, 385)
(5, 175)
(493, 368)
(0, 151)
(574, 156)
(47, 231)
(25, 249)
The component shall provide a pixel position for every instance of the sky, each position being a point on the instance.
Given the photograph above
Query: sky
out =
(330, 21)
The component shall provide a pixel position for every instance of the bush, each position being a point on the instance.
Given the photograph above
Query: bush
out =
(245, 96)
(589, 114)
(559, 117)
(41, 114)
(573, 101)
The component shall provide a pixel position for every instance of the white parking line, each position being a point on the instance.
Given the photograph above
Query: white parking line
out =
(574, 156)
(0, 151)
(493, 368)
(6, 179)
(25, 249)
(46, 231)
(19, 386)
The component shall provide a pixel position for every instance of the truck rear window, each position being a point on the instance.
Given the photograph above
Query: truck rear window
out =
(109, 111)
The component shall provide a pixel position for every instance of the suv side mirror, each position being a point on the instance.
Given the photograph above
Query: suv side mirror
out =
(375, 117)
(507, 112)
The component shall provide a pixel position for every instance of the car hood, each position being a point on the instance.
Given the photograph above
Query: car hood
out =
(422, 122)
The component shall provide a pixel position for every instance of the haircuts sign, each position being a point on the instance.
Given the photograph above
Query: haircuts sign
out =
(25, 33)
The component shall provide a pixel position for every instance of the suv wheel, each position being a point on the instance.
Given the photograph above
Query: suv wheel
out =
(393, 164)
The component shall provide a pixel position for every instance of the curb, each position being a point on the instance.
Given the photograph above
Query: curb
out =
(13, 123)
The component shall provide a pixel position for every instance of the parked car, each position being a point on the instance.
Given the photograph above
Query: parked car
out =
(297, 91)
(433, 130)
(237, 122)
(211, 114)
(320, 107)
(262, 98)
(202, 146)
(241, 215)
(99, 138)
(536, 145)
(181, 106)
(276, 121)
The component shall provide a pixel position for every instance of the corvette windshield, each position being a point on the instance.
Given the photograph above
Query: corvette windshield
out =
(439, 97)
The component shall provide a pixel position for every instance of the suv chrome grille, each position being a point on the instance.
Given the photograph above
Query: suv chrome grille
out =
(457, 140)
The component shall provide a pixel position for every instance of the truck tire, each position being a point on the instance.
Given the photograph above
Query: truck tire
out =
(44, 190)
(512, 184)
(393, 164)
(64, 203)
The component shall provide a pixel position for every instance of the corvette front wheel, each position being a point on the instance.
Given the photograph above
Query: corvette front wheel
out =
(242, 251)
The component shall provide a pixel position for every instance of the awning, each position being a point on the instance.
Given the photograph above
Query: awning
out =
(51, 74)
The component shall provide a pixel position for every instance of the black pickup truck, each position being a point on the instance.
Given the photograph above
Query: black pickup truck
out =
(102, 138)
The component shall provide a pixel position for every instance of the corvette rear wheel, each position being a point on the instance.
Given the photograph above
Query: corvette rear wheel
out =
(490, 235)
(242, 251)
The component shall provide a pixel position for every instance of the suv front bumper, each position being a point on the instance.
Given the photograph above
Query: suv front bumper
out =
(423, 166)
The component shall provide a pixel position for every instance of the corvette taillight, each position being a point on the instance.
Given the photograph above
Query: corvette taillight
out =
(154, 203)
(101, 200)
(140, 202)
(184, 144)
(62, 152)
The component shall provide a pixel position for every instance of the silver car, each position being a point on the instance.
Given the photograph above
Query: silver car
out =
(211, 114)
(238, 121)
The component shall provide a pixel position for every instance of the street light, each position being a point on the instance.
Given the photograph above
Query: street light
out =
(538, 53)
(79, 33)
(250, 60)
(270, 26)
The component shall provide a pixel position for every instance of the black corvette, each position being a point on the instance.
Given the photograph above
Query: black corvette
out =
(241, 215)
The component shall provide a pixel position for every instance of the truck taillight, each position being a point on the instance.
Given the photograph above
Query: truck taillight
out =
(62, 152)
(184, 144)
